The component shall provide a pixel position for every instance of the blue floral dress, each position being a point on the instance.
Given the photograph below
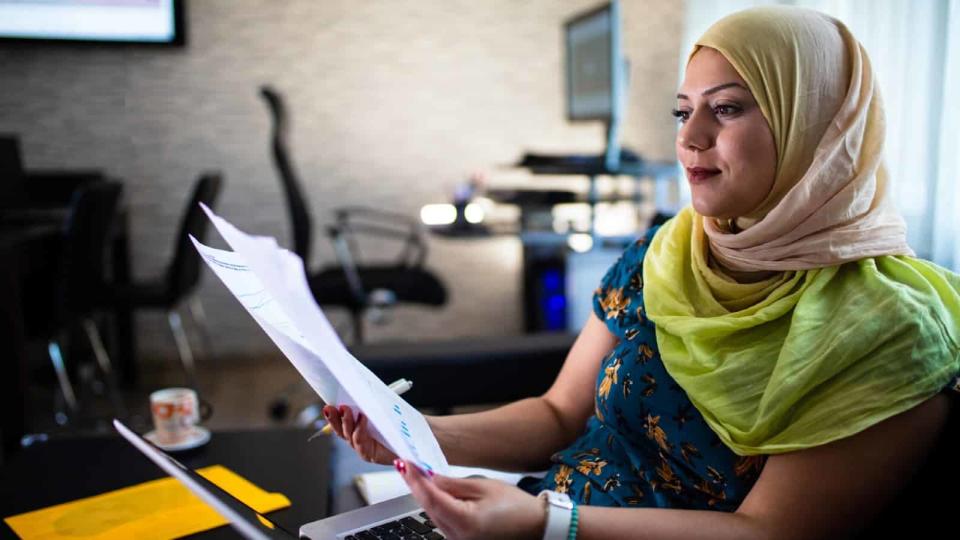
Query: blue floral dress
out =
(646, 445)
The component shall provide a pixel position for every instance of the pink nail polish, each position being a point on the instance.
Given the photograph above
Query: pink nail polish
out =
(400, 465)
(430, 473)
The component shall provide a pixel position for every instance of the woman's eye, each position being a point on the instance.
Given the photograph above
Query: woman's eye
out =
(682, 116)
(725, 110)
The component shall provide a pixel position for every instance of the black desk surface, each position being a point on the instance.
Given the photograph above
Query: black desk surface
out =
(484, 370)
(280, 460)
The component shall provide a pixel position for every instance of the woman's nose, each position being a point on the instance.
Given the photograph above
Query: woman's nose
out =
(695, 134)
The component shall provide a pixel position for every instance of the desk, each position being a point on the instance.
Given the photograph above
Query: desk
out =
(470, 370)
(278, 460)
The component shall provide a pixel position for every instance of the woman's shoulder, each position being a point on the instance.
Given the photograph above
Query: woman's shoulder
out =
(620, 293)
(634, 254)
(899, 291)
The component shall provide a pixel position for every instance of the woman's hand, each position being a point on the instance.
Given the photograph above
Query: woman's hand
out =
(357, 434)
(474, 508)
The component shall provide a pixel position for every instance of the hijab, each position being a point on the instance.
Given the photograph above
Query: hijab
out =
(848, 328)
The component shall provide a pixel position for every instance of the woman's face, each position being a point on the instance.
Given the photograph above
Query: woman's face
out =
(724, 142)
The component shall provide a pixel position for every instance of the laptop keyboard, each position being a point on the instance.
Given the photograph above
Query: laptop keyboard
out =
(412, 527)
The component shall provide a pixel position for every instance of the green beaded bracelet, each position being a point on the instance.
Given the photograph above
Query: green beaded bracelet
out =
(574, 522)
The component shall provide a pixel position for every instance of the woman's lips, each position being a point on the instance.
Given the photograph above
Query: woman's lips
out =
(700, 174)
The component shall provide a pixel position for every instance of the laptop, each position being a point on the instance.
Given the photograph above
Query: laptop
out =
(396, 518)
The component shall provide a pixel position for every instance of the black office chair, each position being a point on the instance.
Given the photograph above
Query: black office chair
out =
(11, 172)
(929, 500)
(177, 283)
(31, 195)
(360, 288)
(75, 298)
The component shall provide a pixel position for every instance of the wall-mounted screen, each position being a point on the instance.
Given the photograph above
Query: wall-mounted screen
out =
(596, 73)
(594, 64)
(105, 21)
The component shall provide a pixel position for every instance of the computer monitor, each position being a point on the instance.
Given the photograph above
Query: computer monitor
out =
(596, 72)
(148, 22)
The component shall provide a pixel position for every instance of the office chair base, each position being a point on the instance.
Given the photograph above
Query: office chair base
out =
(183, 347)
(199, 316)
(63, 378)
(106, 366)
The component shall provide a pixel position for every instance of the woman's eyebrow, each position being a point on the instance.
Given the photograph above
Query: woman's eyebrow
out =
(715, 89)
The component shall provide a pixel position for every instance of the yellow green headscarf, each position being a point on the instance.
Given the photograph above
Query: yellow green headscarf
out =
(835, 341)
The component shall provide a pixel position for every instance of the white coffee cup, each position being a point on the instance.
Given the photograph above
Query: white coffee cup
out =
(176, 414)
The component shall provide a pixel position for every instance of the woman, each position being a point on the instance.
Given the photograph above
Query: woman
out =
(747, 359)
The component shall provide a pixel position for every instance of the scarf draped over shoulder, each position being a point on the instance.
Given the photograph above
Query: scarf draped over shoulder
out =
(850, 328)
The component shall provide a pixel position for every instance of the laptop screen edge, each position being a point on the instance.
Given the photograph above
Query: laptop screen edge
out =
(163, 461)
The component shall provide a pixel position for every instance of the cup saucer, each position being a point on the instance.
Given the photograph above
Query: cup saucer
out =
(199, 437)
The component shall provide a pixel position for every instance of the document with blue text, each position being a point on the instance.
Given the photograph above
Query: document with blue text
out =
(271, 284)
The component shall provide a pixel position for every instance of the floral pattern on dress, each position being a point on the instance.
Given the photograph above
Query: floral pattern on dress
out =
(646, 445)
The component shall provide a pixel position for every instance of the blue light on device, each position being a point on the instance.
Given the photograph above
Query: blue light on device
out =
(554, 300)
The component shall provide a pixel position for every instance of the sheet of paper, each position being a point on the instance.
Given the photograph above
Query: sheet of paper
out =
(271, 284)
(247, 288)
(380, 486)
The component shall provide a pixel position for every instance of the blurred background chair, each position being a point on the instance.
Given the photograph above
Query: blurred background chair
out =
(28, 197)
(176, 284)
(921, 508)
(74, 300)
(11, 172)
(362, 288)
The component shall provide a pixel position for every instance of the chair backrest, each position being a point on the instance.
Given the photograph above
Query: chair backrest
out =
(11, 172)
(296, 201)
(928, 502)
(183, 274)
(85, 240)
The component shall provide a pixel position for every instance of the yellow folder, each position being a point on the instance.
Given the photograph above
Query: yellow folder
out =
(157, 509)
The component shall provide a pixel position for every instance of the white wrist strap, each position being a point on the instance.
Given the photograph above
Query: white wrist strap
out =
(559, 511)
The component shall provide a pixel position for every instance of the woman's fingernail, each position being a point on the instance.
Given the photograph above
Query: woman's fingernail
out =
(326, 414)
(400, 465)
(424, 471)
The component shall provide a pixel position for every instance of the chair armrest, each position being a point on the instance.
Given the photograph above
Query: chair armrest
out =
(356, 220)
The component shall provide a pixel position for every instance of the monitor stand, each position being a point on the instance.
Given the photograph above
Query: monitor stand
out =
(611, 157)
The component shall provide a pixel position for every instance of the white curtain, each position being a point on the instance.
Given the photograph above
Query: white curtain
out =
(915, 49)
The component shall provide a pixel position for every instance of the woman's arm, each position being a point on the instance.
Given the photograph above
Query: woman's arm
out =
(544, 424)
(824, 492)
